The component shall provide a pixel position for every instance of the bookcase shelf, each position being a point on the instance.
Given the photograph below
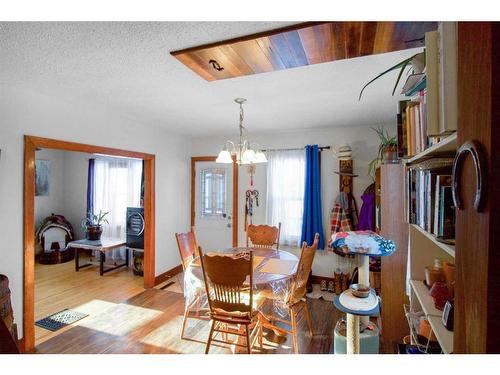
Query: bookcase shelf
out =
(433, 315)
(443, 246)
(424, 298)
(447, 146)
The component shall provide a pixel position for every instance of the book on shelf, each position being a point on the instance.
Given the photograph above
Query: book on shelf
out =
(418, 117)
(430, 203)
(412, 125)
(414, 83)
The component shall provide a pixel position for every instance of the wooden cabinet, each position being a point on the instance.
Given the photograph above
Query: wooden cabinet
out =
(393, 226)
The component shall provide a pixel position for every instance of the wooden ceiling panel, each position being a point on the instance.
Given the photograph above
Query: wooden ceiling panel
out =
(299, 45)
(317, 43)
(339, 40)
(251, 52)
(367, 40)
(265, 45)
(353, 39)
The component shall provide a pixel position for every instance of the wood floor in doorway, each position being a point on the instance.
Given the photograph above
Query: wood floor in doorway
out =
(59, 287)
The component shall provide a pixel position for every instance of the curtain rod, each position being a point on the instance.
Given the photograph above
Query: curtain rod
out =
(321, 148)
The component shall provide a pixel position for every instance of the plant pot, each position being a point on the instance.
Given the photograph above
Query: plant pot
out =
(390, 154)
(93, 232)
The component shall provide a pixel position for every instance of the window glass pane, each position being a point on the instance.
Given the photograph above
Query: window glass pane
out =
(213, 192)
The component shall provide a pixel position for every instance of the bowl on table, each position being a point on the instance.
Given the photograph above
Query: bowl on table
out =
(360, 290)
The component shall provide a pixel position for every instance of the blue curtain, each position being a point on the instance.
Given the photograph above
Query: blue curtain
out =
(90, 187)
(312, 221)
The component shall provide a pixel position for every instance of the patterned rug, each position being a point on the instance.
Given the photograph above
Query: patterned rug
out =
(60, 319)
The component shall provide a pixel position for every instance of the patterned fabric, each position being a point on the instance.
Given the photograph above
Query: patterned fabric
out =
(339, 220)
(363, 242)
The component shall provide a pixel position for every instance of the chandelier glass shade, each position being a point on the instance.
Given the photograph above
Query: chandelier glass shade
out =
(244, 152)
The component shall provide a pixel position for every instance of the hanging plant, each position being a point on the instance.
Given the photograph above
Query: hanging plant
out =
(417, 62)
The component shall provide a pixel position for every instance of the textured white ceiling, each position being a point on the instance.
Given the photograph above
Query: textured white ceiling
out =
(127, 66)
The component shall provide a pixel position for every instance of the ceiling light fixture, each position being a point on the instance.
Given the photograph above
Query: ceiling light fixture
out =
(245, 152)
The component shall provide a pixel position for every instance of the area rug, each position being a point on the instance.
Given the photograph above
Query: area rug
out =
(60, 319)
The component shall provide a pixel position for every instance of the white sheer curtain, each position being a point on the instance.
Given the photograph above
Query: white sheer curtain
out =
(117, 186)
(285, 193)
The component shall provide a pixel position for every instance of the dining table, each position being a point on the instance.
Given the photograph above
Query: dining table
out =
(273, 272)
(272, 269)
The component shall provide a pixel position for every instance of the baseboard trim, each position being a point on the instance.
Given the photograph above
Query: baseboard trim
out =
(20, 345)
(168, 274)
(317, 279)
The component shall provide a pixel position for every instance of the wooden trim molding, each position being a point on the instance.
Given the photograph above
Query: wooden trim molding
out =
(195, 159)
(168, 274)
(30, 145)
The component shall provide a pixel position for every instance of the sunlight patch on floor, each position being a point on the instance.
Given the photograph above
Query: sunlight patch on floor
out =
(168, 336)
(121, 319)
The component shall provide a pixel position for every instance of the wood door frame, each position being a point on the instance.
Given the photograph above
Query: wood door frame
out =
(195, 159)
(31, 143)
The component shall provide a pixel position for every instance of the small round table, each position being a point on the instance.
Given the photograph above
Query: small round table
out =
(278, 283)
(261, 255)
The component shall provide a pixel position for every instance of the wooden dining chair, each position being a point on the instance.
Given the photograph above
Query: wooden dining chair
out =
(230, 299)
(295, 303)
(263, 236)
(188, 248)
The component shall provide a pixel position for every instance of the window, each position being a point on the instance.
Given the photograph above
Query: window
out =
(213, 192)
(285, 193)
(117, 185)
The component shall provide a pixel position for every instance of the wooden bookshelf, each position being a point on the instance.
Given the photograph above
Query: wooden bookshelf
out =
(445, 147)
(444, 337)
(425, 300)
(443, 246)
(433, 315)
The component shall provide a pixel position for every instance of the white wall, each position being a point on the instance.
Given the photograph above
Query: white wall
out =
(54, 202)
(75, 190)
(68, 188)
(53, 115)
(364, 143)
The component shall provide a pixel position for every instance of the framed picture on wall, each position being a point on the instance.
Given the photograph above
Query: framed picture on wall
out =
(42, 174)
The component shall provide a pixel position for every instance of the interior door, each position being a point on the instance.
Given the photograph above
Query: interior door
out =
(213, 204)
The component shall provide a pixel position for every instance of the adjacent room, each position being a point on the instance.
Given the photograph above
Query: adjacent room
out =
(248, 187)
(80, 198)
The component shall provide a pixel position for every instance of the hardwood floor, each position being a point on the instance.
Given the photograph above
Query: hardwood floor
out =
(58, 287)
(150, 322)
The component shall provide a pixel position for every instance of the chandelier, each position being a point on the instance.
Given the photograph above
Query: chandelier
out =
(244, 151)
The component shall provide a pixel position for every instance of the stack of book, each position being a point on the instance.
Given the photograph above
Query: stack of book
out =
(418, 117)
(413, 134)
(430, 204)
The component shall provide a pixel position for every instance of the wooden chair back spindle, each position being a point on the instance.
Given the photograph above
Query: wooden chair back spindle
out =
(304, 269)
(225, 278)
(188, 246)
(263, 236)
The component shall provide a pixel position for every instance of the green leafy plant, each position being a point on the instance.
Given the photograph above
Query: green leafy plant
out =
(417, 61)
(386, 141)
(94, 220)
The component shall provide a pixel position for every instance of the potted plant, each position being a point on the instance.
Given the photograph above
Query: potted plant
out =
(387, 149)
(93, 225)
(416, 62)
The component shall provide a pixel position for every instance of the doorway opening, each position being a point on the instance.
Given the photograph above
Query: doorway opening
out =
(140, 169)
